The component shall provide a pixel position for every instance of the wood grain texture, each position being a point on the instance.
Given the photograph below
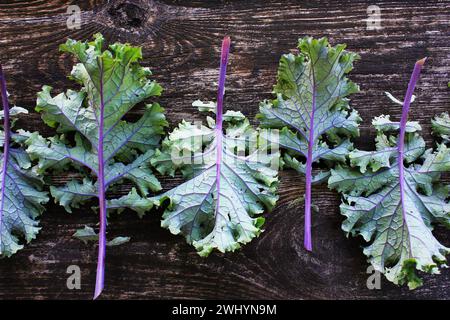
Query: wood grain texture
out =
(181, 43)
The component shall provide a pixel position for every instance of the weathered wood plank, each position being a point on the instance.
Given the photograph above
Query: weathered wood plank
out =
(181, 42)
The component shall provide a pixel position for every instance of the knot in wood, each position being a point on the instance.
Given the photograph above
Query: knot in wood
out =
(131, 13)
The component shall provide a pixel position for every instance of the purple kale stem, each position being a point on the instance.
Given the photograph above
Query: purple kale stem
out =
(401, 139)
(223, 72)
(7, 137)
(100, 279)
(308, 173)
(219, 112)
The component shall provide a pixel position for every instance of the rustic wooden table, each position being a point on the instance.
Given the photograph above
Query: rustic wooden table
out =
(181, 43)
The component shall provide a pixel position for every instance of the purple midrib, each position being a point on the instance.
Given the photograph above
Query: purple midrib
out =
(219, 115)
(401, 139)
(6, 141)
(308, 171)
(100, 277)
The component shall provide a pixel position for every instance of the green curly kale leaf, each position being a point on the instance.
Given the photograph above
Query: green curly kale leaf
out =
(104, 146)
(312, 110)
(393, 197)
(373, 207)
(230, 178)
(441, 126)
(88, 234)
(21, 198)
(209, 215)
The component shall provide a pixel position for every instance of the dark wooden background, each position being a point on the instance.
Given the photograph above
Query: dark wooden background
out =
(181, 43)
